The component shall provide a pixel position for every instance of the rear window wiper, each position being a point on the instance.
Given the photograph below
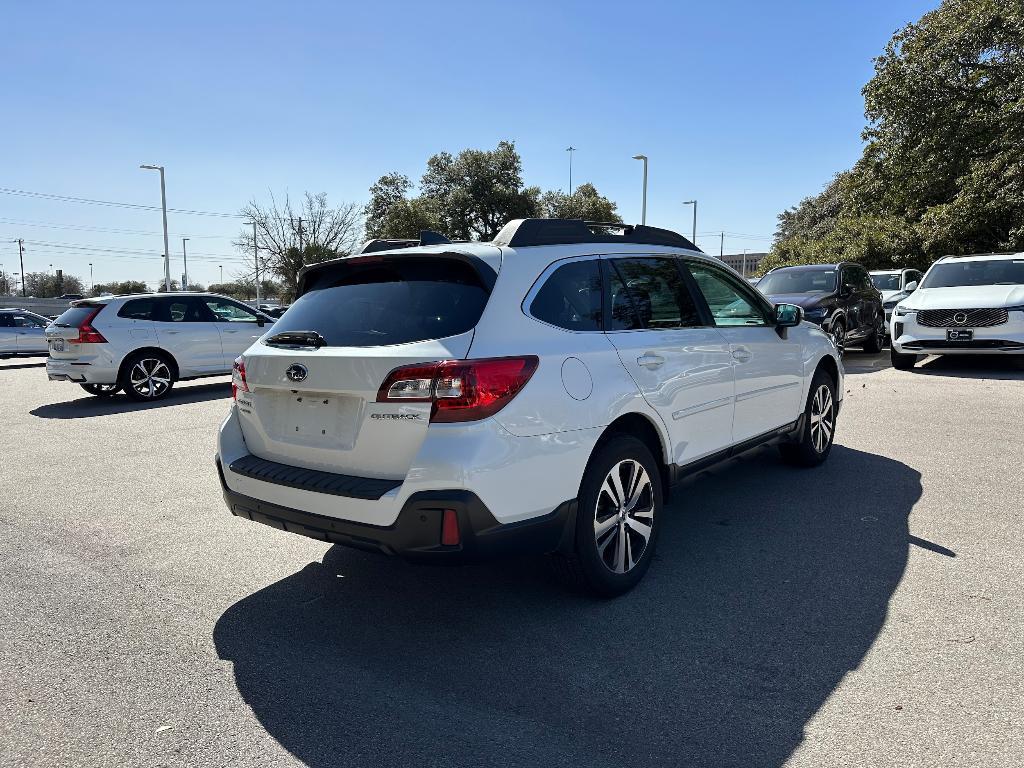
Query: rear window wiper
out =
(296, 339)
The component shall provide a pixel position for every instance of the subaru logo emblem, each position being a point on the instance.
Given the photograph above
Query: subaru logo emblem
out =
(297, 372)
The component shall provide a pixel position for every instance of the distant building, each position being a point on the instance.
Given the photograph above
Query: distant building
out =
(737, 260)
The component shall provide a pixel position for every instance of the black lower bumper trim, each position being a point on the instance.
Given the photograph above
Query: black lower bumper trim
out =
(416, 533)
(368, 488)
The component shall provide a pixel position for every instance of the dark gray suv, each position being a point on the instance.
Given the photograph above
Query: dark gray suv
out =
(839, 297)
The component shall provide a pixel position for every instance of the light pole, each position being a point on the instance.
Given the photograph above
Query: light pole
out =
(643, 213)
(744, 262)
(570, 150)
(694, 204)
(184, 260)
(163, 205)
(221, 273)
(91, 284)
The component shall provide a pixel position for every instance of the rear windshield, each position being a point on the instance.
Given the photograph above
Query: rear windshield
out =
(886, 281)
(73, 318)
(392, 302)
(988, 272)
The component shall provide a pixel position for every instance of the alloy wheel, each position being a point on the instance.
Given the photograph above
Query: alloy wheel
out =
(624, 516)
(838, 332)
(822, 418)
(150, 377)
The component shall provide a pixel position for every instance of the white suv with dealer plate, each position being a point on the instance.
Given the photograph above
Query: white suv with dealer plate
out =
(538, 393)
(964, 305)
(144, 343)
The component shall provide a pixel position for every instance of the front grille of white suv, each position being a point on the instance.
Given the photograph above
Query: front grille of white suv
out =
(962, 318)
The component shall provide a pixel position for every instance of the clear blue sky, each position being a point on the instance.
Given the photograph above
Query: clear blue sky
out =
(747, 106)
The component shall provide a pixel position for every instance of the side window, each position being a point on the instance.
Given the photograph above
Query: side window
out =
(864, 279)
(137, 309)
(654, 291)
(571, 297)
(5, 320)
(730, 303)
(27, 321)
(227, 311)
(186, 310)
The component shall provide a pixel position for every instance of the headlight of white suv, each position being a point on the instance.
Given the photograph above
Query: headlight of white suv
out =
(902, 309)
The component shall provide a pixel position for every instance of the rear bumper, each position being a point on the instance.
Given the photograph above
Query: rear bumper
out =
(80, 372)
(416, 533)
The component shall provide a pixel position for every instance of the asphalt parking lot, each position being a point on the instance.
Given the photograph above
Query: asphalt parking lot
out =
(866, 613)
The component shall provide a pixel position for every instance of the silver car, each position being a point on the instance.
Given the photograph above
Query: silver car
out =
(21, 332)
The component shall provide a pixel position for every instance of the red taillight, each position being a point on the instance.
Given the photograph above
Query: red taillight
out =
(449, 529)
(86, 333)
(238, 382)
(459, 390)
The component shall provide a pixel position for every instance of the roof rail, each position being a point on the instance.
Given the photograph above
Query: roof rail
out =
(427, 237)
(521, 233)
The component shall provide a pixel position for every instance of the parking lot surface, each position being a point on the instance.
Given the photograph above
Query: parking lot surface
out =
(869, 612)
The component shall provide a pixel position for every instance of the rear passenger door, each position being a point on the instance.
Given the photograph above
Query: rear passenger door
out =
(8, 338)
(28, 330)
(188, 330)
(768, 369)
(681, 364)
(238, 325)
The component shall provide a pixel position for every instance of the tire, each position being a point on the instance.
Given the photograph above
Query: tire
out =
(838, 334)
(876, 341)
(819, 425)
(900, 360)
(101, 390)
(147, 376)
(608, 535)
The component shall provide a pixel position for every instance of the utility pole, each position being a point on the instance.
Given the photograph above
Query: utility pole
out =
(21, 258)
(643, 214)
(570, 150)
(184, 259)
(256, 262)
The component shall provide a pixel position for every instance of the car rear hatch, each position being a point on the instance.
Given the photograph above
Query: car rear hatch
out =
(65, 335)
(309, 393)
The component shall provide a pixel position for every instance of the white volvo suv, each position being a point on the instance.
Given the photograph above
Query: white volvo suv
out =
(538, 393)
(964, 305)
(144, 343)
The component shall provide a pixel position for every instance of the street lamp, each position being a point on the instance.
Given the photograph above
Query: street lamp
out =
(163, 205)
(694, 204)
(91, 284)
(184, 259)
(570, 150)
(221, 273)
(643, 214)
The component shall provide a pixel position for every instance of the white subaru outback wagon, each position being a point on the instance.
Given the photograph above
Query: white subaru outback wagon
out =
(536, 394)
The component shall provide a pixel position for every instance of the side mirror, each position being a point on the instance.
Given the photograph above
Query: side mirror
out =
(911, 286)
(260, 321)
(787, 316)
(847, 289)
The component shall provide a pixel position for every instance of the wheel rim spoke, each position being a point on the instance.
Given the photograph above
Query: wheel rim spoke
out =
(636, 525)
(624, 516)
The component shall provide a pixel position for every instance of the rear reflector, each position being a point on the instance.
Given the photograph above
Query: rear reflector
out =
(459, 390)
(450, 529)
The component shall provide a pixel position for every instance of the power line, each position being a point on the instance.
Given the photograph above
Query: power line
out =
(136, 206)
(138, 251)
(110, 230)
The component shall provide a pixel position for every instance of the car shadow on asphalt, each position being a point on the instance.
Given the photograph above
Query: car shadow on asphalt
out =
(1004, 368)
(13, 364)
(770, 584)
(89, 406)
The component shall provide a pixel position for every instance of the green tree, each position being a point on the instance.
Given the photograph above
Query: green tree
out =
(468, 196)
(942, 169)
(119, 288)
(47, 286)
(584, 203)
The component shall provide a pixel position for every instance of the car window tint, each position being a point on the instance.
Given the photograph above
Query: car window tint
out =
(27, 321)
(659, 296)
(5, 320)
(186, 310)
(571, 297)
(730, 303)
(230, 312)
(622, 316)
(137, 309)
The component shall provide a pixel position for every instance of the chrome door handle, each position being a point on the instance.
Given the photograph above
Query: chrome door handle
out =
(650, 360)
(741, 355)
